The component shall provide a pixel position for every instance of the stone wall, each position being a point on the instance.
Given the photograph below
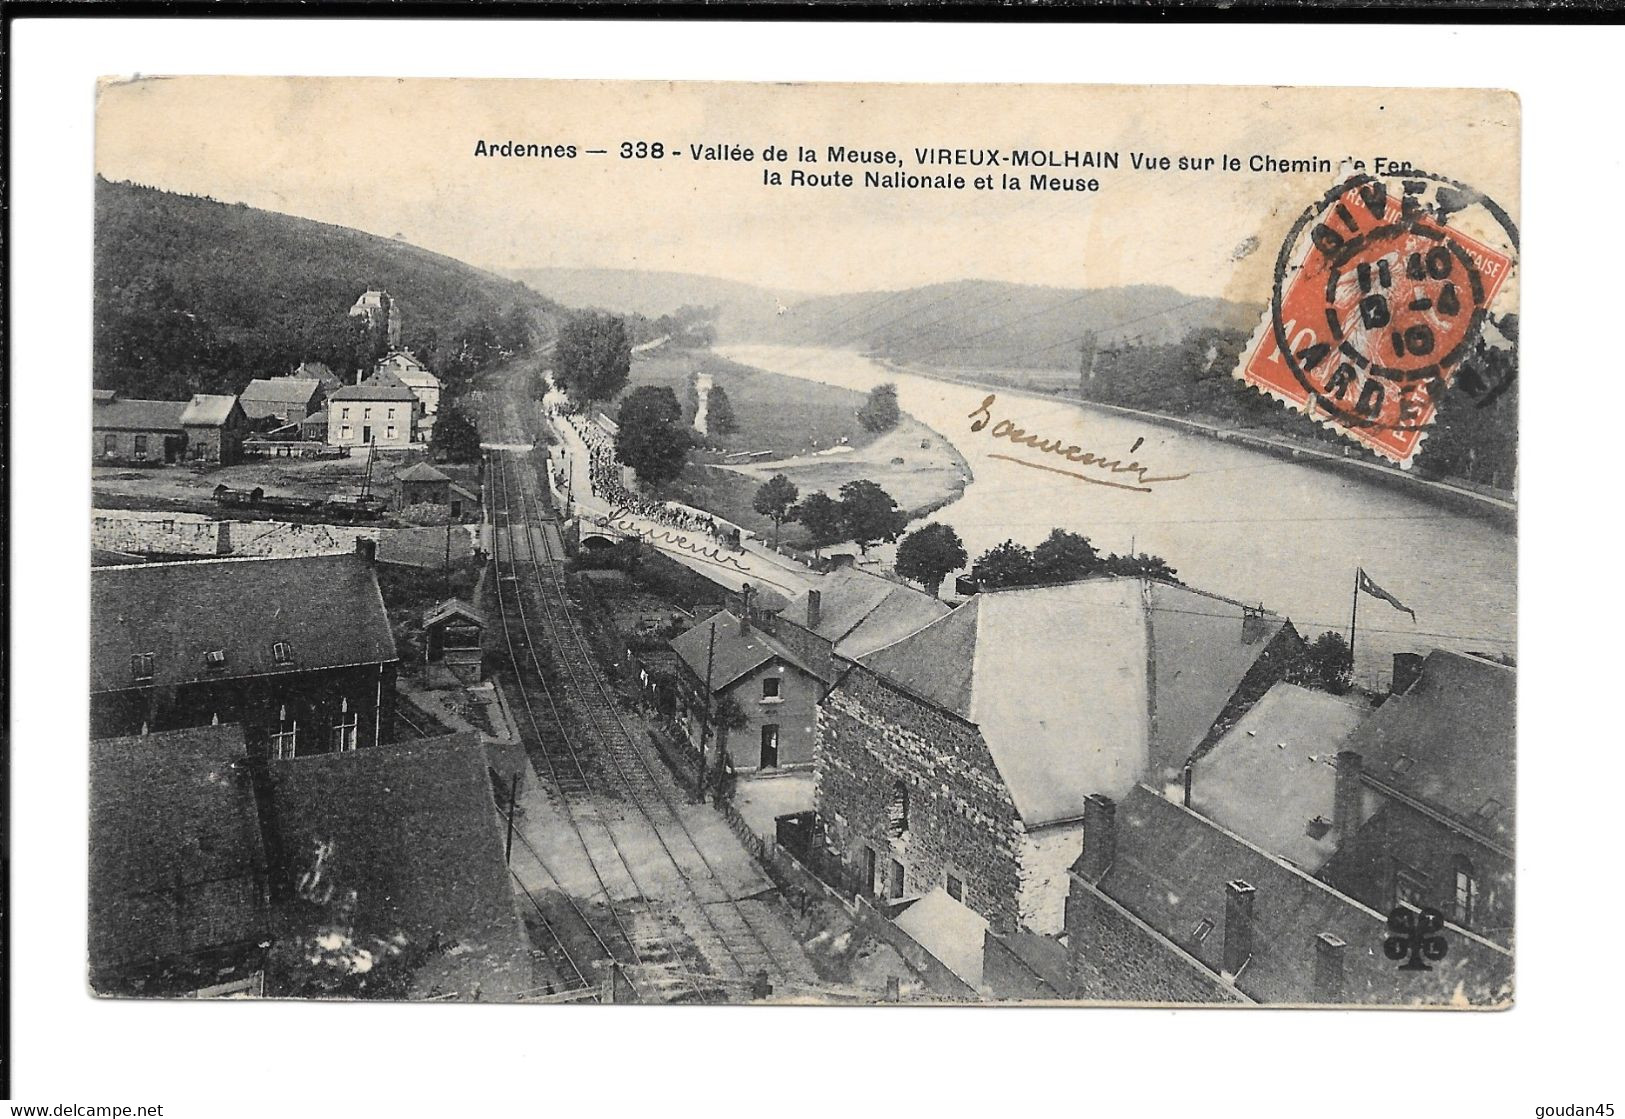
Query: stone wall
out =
(1046, 858)
(192, 534)
(1116, 957)
(874, 741)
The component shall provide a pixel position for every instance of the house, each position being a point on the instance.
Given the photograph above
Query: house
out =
(850, 614)
(961, 755)
(1424, 801)
(452, 632)
(297, 650)
(178, 888)
(286, 400)
(313, 428)
(136, 430)
(729, 658)
(414, 831)
(422, 484)
(380, 414)
(378, 308)
(414, 375)
(1271, 778)
(319, 372)
(215, 426)
(1166, 906)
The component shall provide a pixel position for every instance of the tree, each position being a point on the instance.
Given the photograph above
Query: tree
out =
(592, 357)
(776, 499)
(869, 514)
(928, 554)
(1005, 565)
(1063, 557)
(719, 412)
(455, 438)
(1142, 565)
(820, 515)
(880, 412)
(1326, 665)
(651, 438)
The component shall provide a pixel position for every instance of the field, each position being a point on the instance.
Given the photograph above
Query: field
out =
(786, 421)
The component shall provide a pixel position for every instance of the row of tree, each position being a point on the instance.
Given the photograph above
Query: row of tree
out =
(863, 513)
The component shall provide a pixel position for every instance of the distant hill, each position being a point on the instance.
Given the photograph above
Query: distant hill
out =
(744, 311)
(1003, 325)
(194, 295)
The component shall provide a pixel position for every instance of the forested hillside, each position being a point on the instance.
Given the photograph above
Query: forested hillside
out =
(194, 295)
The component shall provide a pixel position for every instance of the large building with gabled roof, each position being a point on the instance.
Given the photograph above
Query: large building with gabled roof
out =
(961, 755)
(298, 650)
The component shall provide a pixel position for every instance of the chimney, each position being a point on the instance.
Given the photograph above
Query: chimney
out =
(1347, 797)
(1254, 624)
(1238, 925)
(815, 609)
(1329, 968)
(1099, 838)
(367, 548)
(1407, 671)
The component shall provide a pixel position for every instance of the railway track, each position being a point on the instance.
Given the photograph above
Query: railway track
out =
(617, 768)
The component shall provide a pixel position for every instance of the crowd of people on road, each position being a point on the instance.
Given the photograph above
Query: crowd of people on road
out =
(606, 478)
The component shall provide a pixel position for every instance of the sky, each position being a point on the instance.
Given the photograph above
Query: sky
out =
(396, 158)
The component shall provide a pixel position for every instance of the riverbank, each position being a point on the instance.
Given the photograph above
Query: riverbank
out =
(1456, 497)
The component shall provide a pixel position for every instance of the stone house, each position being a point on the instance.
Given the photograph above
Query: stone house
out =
(136, 430)
(1424, 803)
(1166, 906)
(412, 373)
(298, 650)
(381, 414)
(771, 686)
(961, 755)
(215, 427)
(849, 614)
(284, 400)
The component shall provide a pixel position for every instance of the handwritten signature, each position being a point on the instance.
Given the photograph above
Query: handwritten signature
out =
(704, 552)
(1004, 429)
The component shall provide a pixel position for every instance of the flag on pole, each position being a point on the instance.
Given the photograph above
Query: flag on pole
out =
(1366, 584)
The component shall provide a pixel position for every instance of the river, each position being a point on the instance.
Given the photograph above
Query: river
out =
(1243, 524)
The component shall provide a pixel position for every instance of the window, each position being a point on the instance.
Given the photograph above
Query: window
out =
(391, 431)
(214, 659)
(344, 414)
(392, 414)
(770, 687)
(344, 432)
(956, 888)
(1466, 901)
(1203, 927)
(897, 811)
(344, 732)
(282, 652)
(284, 742)
(140, 446)
(141, 666)
(1410, 886)
(109, 445)
(366, 413)
(896, 884)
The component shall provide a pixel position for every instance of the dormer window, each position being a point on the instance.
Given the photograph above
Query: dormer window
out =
(141, 667)
(214, 659)
(282, 652)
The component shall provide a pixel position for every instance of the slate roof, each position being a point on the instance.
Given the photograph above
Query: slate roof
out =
(734, 653)
(415, 831)
(208, 410)
(328, 607)
(421, 472)
(1171, 869)
(1456, 726)
(1275, 771)
(318, 371)
(860, 612)
(1083, 687)
(176, 862)
(373, 390)
(452, 608)
(138, 415)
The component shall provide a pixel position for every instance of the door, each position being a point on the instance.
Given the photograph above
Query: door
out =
(896, 890)
(869, 869)
(366, 433)
(770, 745)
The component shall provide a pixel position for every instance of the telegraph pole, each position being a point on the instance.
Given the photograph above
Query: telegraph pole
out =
(705, 725)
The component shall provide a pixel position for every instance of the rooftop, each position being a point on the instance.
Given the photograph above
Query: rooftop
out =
(282, 390)
(373, 390)
(1448, 742)
(137, 415)
(176, 862)
(208, 410)
(860, 612)
(733, 654)
(327, 610)
(414, 830)
(949, 930)
(421, 472)
(1171, 869)
(1270, 779)
(1083, 687)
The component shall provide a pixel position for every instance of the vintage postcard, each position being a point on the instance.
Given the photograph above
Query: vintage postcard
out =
(570, 542)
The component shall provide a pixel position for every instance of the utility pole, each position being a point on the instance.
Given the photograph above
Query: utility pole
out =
(705, 725)
(1354, 613)
(513, 797)
(446, 571)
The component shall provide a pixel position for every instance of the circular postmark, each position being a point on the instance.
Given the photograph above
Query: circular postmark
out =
(1379, 301)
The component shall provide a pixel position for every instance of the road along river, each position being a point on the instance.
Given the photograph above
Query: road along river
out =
(1238, 522)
